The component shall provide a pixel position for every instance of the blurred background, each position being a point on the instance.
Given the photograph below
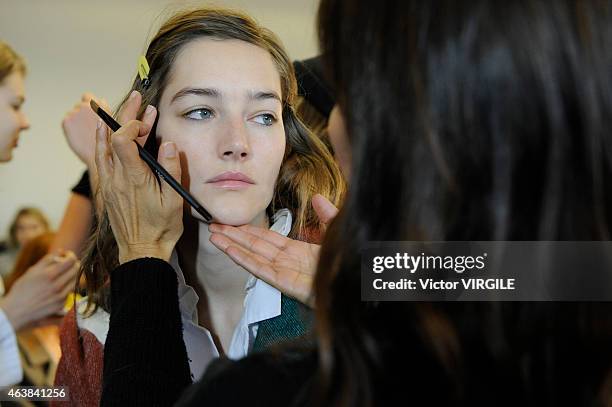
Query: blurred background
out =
(77, 46)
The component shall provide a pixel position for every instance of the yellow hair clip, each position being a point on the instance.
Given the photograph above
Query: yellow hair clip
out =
(143, 70)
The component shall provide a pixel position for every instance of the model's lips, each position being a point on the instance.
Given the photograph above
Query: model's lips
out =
(231, 180)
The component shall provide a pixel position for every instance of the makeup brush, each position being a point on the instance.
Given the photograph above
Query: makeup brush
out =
(155, 166)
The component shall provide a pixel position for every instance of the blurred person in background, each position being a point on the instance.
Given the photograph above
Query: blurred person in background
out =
(42, 290)
(27, 224)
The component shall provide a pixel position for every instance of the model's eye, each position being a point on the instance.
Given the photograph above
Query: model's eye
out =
(199, 114)
(266, 119)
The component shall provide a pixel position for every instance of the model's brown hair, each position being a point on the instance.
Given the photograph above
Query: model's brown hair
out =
(308, 167)
(10, 61)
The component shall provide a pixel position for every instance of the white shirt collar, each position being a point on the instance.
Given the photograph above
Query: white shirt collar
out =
(262, 301)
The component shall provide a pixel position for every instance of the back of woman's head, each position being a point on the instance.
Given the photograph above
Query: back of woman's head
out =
(10, 61)
(470, 120)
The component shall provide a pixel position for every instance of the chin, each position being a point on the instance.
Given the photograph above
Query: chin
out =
(5, 156)
(233, 216)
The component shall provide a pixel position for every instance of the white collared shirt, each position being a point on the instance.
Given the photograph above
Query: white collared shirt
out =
(261, 302)
(10, 364)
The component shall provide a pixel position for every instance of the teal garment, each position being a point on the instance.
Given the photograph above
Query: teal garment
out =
(294, 321)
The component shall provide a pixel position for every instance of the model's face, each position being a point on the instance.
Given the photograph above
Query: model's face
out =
(28, 227)
(12, 119)
(222, 107)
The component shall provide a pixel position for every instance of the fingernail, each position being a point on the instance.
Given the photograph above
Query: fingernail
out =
(148, 110)
(169, 150)
(99, 124)
(212, 227)
(133, 94)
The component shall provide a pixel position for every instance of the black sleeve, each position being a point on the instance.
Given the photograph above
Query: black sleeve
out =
(83, 187)
(266, 379)
(145, 360)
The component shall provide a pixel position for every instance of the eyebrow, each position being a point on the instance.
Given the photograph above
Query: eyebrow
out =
(214, 93)
(264, 95)
(210, 92)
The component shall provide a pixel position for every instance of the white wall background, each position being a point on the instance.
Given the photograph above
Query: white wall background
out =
(73, 46)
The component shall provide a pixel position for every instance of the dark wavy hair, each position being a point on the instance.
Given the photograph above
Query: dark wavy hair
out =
(468, 120)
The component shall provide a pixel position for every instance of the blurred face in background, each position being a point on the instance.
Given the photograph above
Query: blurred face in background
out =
(27, 228)
(12, 118)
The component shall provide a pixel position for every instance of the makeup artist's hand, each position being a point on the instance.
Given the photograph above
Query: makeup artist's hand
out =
(146, 217)
(41, 291)
(287, 264)
(79, 126)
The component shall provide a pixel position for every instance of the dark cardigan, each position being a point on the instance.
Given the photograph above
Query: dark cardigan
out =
(145, 360)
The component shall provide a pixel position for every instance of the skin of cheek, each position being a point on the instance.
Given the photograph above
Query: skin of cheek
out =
(200, 161)
(339, 140)
(9, 130)
(11, 121)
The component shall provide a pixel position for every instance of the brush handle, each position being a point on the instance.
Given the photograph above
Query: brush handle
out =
(161, 172)
(157, 168)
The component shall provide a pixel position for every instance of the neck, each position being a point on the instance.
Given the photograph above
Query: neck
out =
(218, 281)
(216, 273)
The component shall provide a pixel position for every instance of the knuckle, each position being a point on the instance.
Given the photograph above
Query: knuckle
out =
(56, 288)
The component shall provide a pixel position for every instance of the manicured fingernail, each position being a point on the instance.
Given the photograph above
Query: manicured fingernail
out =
(169, 150)
(133, 94)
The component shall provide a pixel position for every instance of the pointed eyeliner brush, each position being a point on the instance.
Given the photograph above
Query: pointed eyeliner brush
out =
(155, 166)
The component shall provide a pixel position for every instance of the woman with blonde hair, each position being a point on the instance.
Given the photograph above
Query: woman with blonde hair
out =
(218, 111)
(42, 290)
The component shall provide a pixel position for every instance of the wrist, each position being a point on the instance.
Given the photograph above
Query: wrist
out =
(139, 251)
(17, 319)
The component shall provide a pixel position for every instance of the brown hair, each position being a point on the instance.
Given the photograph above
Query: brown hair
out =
(308, 166)
(491, 118)
(10, 61)
(27, 211)
(316, 122)
(29, 255)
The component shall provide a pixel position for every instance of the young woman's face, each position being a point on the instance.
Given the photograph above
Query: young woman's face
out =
(12, 119)
(28, 227)
(222, 107)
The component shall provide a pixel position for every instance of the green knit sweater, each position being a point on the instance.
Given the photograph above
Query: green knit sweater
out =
(294, 321)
